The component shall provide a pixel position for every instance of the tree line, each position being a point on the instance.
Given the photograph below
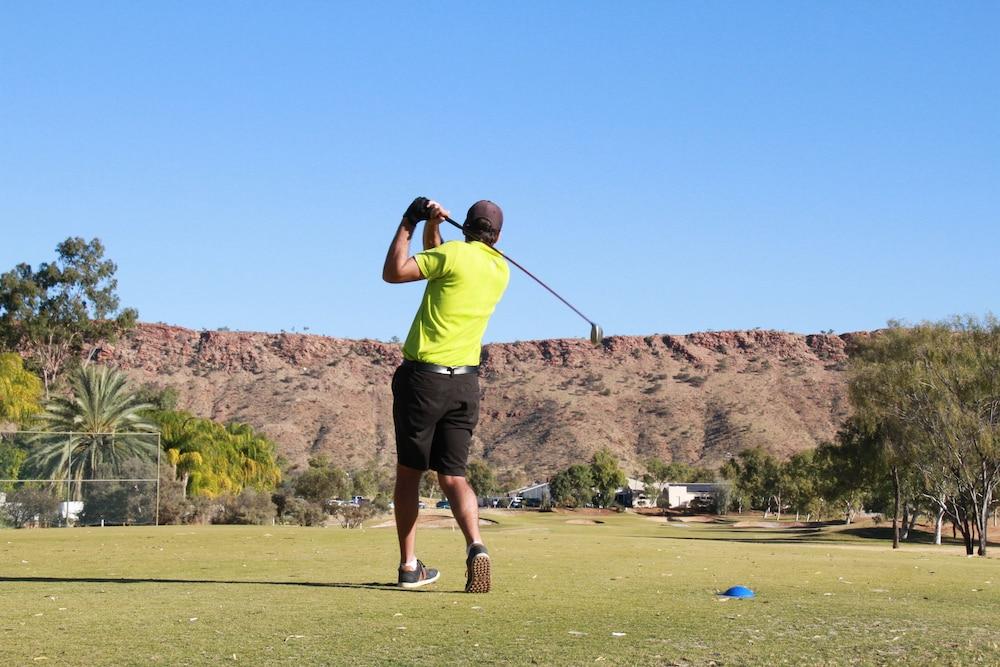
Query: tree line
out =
(922, 437)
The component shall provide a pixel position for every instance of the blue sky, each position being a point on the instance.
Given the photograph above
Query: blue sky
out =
(666, 166)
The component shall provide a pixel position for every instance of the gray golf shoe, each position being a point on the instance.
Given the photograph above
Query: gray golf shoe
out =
(419, 577)
(477, 570)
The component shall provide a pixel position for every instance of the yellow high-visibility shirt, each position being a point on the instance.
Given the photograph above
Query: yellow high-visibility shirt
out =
(465, 280)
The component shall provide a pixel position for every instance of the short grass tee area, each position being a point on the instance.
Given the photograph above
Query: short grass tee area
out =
(567, 590)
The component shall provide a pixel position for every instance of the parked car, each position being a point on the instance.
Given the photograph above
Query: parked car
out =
(422, 505)
(443, 505)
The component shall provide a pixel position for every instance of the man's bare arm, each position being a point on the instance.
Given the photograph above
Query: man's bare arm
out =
(432, 230)
(432, 235)
(399, 267)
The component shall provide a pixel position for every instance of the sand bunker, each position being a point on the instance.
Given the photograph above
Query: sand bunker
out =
(584, 522)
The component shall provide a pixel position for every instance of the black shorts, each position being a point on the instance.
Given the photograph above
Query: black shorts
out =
(434, 415)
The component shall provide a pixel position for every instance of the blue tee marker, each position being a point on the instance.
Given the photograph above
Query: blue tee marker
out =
(738, 592)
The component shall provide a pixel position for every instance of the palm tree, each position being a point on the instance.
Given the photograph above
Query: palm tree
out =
(97, 429)
(211, 459)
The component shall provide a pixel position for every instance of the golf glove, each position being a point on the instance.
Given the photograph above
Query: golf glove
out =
(417, 212)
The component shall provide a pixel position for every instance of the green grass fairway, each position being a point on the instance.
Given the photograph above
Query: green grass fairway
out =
(631, 590)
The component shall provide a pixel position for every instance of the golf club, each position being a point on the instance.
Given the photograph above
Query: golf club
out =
(596, 333)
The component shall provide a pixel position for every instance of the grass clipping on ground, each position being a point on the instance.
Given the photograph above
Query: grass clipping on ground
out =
(625, 591)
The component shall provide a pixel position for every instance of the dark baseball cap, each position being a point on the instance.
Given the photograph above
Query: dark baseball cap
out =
(483, 216)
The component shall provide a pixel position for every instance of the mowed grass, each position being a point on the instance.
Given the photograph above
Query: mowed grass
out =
(631, 590)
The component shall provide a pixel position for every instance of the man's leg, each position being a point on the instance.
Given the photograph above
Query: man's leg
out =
(464, 505)
(465, 508)
(407, 498)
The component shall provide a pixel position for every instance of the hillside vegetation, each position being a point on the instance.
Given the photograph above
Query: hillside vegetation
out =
(697, 398)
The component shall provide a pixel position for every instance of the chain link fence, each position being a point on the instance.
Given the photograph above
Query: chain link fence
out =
(79, 479)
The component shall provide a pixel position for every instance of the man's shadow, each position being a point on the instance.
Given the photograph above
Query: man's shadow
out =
(372, 585)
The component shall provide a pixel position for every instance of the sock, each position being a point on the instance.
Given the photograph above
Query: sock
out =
(409, 565)
(468, 549)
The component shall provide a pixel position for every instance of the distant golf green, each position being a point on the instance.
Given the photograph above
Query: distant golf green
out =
(630, 590)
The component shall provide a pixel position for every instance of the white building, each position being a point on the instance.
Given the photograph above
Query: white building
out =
(688, 494)
(537, 492)
(680, 495)
(633, 494)
(73, 507)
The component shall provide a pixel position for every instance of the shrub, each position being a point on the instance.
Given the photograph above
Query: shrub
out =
(174, 507)
(203, 509)
(353, 516)
(31, 506)
(301, 512)
(249, 507)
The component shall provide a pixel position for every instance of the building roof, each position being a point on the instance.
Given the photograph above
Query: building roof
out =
(525, 489)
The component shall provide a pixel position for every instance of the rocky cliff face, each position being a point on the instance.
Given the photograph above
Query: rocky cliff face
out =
(545, 404)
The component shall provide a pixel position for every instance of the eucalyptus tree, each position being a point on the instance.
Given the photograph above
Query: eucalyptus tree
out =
(481, 478)
(322, 481)
(884, 378)
(573, 487)
(607, 475)
(932, 393)
(756, 478)
(99, 426)
(62, 310)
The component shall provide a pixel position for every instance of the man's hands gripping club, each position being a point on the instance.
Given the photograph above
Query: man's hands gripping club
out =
(399, 266)
(421, 209)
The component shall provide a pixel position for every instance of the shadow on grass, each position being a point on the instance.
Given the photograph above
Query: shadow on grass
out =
(816, 535)
(915, 537)
(374, 585)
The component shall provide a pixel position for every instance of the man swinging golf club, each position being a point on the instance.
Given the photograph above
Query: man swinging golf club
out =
(436, 389)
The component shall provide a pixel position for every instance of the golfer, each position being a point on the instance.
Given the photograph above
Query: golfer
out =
(435, 391)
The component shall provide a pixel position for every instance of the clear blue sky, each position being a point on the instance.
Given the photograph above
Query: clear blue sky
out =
(667, 166)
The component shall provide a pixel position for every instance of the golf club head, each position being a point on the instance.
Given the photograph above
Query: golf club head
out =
(596, 333)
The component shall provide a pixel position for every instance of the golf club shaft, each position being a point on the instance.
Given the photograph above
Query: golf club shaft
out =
(536, 279)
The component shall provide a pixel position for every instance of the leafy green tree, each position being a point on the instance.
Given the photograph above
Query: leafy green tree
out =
(374, 481)
(607, 475)
(321, 482)
(99, 426)
(11, 459)
(658, 471)
(215, 459)
(573, 487)
(928, 394)
(20, 390)
(64, 309)
(854, 469)
(800, 482)
(481, 479)
(737, 495)
(883, 373)
(755, 475)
